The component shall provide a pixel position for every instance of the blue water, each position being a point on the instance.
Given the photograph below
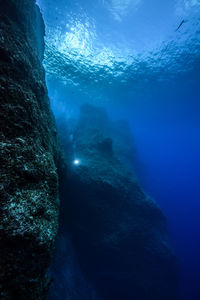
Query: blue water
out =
(128, 56)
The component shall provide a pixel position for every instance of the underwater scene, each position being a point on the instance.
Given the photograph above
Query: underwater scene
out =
(100, 150)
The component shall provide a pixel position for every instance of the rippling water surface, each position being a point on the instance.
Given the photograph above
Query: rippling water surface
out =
(94, 45)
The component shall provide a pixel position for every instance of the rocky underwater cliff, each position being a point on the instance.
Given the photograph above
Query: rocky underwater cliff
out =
(112, 241)
(29, 200)
(116, 235)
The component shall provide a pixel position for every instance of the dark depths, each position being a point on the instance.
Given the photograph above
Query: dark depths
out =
(112, 241)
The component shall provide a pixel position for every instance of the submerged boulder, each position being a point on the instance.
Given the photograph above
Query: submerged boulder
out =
(28, 156)
(118, 232)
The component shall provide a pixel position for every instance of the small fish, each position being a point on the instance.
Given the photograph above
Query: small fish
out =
(183, 21)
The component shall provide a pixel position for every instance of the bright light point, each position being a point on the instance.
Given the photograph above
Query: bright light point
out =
(76, 162)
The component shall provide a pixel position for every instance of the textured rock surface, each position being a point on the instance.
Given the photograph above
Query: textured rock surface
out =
(118, 233)
(28, 156)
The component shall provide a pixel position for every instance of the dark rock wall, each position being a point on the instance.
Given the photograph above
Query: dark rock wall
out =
(28, 156)
(118, 234)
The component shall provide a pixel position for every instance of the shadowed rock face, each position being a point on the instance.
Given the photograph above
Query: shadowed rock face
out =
(118, 233)
(28, 156)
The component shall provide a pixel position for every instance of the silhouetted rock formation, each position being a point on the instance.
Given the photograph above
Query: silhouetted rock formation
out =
(118, 233)
(28, 156)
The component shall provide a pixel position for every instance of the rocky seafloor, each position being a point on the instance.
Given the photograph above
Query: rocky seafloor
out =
(112, 241)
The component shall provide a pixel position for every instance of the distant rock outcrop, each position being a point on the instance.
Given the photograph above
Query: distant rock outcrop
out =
(28, 156)
(118, 233)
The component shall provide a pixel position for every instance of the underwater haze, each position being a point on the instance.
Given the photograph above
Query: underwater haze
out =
(140, 60)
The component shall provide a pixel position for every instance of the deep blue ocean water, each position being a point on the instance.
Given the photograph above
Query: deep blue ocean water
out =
(130, 57)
